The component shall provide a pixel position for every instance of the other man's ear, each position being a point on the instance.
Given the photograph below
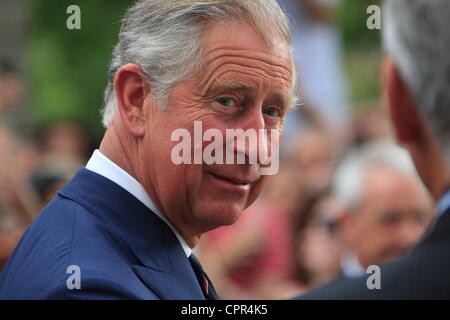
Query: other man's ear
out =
(131, 91)
(406, 120)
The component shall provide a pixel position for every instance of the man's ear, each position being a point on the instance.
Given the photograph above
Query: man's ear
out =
(405, 118)
(131, 91)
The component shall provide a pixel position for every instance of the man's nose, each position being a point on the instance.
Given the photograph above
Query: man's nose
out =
(253, 119)
(257, 149)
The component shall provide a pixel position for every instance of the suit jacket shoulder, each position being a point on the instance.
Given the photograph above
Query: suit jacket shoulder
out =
(96, 230)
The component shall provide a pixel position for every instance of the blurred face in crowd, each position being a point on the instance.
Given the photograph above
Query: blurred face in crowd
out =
(393, 214)
(68, 140)
(10, 90)
(281, 191)
(314, 158)
(245, 84)
(319, 247)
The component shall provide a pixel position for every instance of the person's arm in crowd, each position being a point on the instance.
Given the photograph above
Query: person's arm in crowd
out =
(15, 193)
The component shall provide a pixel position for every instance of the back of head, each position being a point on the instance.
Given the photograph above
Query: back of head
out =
(417, 37)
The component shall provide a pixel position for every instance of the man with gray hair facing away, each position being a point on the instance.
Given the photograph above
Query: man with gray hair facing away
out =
(417, 83)
(386, 209)
(124, 226)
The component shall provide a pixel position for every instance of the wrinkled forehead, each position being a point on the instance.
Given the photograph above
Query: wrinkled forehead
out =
(240, 36)
(237, 47)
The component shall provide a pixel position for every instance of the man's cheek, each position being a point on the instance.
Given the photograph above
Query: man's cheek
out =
(256, 190)
(193, 180)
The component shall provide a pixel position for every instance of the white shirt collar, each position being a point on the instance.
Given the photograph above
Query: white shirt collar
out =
(351, 267)
(100, 164)
(444, 203)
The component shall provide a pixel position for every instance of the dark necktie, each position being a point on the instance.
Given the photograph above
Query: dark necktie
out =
(203, 280)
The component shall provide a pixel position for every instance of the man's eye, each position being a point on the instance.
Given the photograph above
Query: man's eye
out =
(272, 112)
(227, 102)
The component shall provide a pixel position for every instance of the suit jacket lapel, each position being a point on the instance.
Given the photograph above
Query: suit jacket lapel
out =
(170, 285)
(163, 266)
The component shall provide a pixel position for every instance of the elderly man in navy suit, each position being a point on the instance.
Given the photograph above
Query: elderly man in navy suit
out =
(124, 226)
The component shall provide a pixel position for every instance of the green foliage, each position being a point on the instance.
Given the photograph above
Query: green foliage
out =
(362, 50)
(352, 22)
(68, 68)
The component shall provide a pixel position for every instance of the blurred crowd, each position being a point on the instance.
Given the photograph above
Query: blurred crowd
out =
(32, 167)
(345, 196)
(337, 205)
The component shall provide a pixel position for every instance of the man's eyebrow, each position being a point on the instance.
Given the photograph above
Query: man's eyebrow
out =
(230, 84)
(287, 100)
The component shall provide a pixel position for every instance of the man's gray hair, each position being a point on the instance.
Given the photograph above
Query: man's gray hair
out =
(349, 179)
(417, 37)
(164, 37)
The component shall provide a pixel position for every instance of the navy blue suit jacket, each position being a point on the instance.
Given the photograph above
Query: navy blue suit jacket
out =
(123, 250)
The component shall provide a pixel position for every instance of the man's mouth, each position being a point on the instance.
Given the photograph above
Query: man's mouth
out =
(233, 181)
